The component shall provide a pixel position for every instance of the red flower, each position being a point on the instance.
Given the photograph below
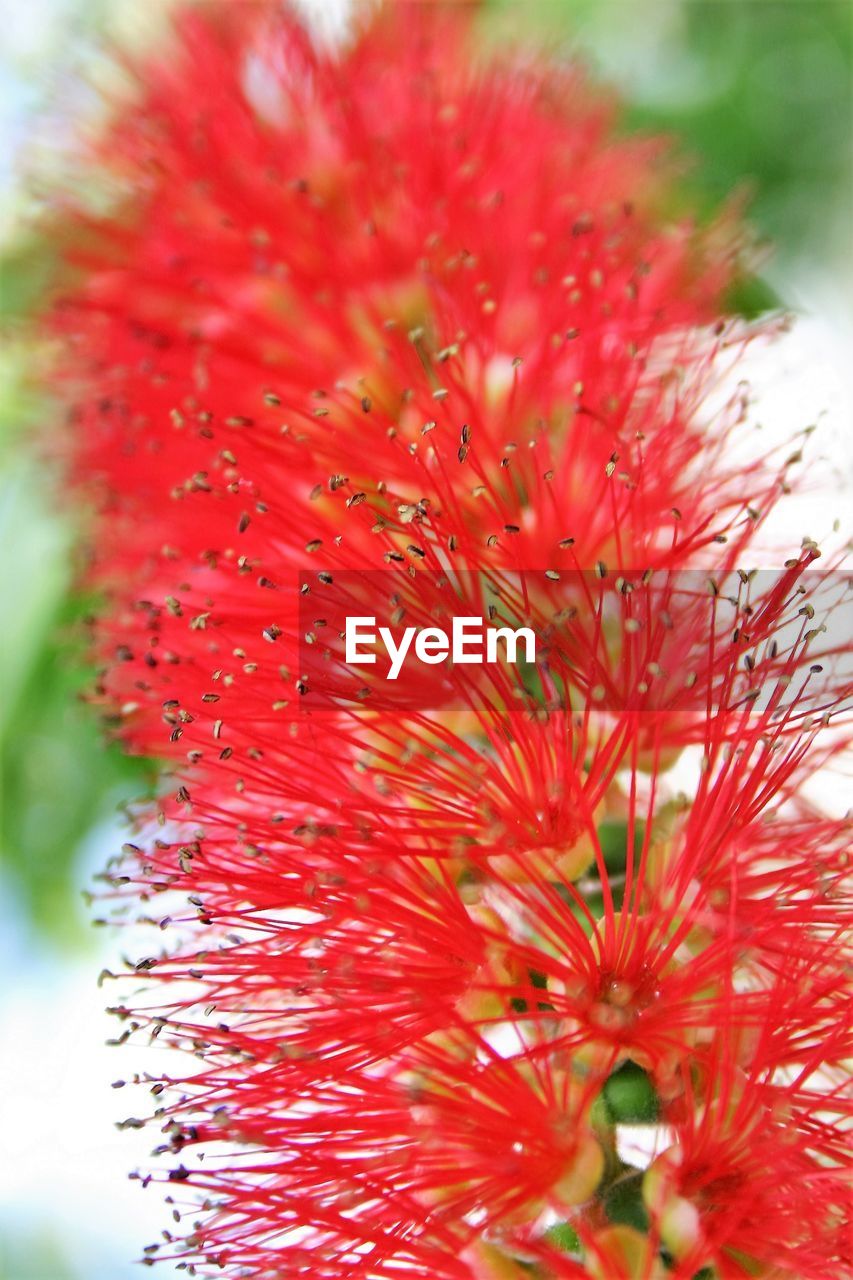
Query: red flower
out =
(403, 330)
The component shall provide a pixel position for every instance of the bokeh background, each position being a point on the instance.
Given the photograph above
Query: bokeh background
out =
(758, 92)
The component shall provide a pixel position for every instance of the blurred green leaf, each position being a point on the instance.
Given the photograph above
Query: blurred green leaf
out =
(750, 297)
(58, 778)
(563, 1236)
(27, 1255)
(26, 269)
(613, 839)
(760, 93)
(624, 1203)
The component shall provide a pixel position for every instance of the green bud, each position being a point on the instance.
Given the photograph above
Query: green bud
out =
(630, 1096)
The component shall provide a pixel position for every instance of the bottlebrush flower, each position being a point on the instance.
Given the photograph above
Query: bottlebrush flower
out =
(403, 329)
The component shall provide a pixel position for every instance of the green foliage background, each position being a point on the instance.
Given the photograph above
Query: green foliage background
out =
(759, 94)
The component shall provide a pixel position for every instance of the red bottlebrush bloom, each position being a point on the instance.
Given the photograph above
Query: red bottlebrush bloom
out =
(398, 331)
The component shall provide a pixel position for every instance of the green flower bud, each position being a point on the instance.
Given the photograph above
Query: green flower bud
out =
(630, 1096)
